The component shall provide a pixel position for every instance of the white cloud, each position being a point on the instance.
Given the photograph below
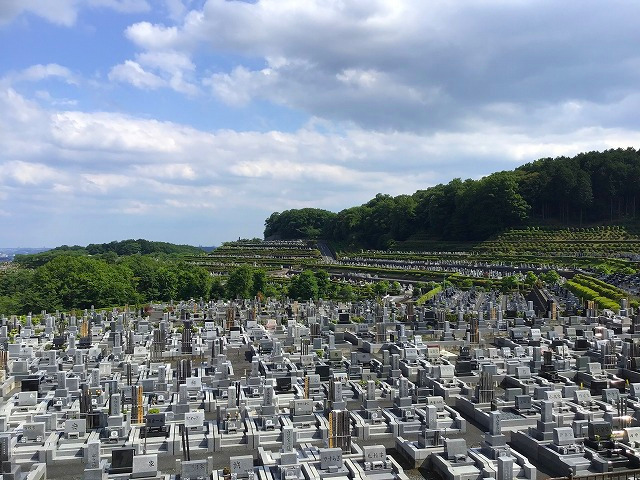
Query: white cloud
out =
(107, 151)
(36, 73)
(166, 69)
(135, 208)
(177, 9)
(240, 86)
(131, 72)
(104, 182)
(65, 12)
(190, 204)
(167, 61)
(168, 171)
(409, 64)
(59, 102)
(61, 12)
(152, 36)
(25, 173)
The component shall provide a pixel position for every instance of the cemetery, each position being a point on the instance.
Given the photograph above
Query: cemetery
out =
(293, 389)
(473, 363)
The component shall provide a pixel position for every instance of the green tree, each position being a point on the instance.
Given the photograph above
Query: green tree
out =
(193, 281)
(345, 292)
(240, 282)
(217, 291)
(467, 283)
(550, 278)
(259, 282)
(381, 288)
(294, 224)
(323, 281)
(530, 279)
(395, 289)
(509, 283)
(304, 286)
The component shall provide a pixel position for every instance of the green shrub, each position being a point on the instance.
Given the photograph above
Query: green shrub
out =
(429, 295)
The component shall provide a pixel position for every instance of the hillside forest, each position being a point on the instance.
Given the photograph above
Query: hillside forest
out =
(594, 187)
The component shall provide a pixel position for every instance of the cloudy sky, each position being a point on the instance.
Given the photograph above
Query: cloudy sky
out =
(191, 121)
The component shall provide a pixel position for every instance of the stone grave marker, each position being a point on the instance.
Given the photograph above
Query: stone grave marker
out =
(563, 436)
(194, 419)
(194, 469)
(241, 465)
(144, 465)
(455, 449)
(330, 457)
(374, 453)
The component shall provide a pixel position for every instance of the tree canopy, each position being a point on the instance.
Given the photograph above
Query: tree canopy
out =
(68, 280)
(108, 251)
(294, 224)
(590, 187)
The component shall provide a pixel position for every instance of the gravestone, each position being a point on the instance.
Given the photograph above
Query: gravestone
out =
(95, 377)
(523, 373)
(523, 402)
(194, 419)
(553, 395)
(330, 457)
(403, 387)
(437, 402)
(374, 453)
(505, 468)
(446, 371)
(144, 466)
(241, 465)
(432, 417)
(287, 438)
(337, 392)
(34, 431)
(455, 449)
(582, 397)
(5, 447)
(371, 390)
(183, 394)
(75, 425)
(303, 407)
(268, 395)
(27, 399)
(194, 469)
(93, 454)
(194, 383)
(494, 423)
(546, 411)
(115, 404)
(610, 395)
(563, 436)
(632, 436)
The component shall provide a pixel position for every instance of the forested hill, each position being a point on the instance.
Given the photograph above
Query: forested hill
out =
(122, 248)
(109, 274)
(594, 187)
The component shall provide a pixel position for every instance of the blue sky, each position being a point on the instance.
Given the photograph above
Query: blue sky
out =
(191, 121)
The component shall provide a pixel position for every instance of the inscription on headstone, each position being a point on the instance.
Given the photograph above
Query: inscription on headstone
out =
(330, 457)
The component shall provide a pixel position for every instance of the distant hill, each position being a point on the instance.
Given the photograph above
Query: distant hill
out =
(7, 253)
(589, 189)
(121, 248)
(141, 246)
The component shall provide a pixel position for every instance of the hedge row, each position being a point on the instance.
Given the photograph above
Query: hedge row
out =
(429, 295)
(587, 293)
